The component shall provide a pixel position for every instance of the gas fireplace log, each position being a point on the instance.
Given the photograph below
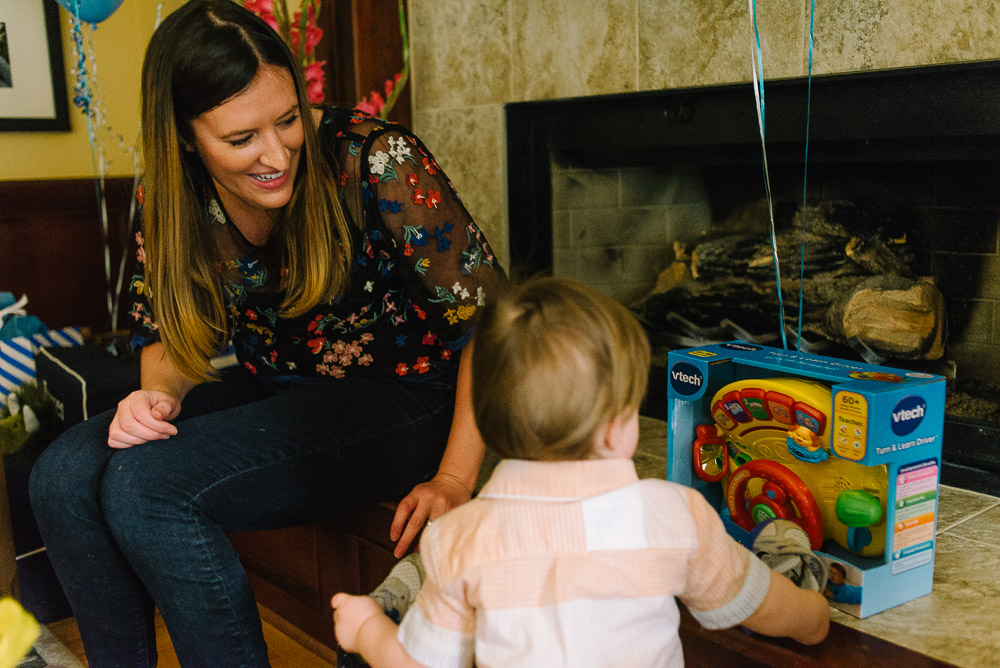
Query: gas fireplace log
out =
(857, 285)
(896, 317)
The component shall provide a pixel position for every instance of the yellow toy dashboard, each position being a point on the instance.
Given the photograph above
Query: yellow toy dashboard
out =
(769, 446)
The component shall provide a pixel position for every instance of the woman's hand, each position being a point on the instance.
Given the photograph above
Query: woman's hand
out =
(143, 416)
(428, 501)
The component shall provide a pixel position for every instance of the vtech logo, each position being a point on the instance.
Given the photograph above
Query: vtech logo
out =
(685, 378)
(908, 414)
(740, 346)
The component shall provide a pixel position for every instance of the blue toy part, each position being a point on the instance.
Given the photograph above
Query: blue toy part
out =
(806, 455)
(858, 538)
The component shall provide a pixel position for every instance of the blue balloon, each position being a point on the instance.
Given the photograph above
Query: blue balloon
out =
(90, 11)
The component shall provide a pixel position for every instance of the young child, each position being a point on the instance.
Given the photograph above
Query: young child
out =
(566, 557)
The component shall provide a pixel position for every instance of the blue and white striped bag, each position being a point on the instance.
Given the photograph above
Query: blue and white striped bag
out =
(17, 355)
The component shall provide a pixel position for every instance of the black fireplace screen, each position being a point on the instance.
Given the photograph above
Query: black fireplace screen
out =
(903, 199)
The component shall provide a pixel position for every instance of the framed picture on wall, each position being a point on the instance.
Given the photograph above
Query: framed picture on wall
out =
(32, 76)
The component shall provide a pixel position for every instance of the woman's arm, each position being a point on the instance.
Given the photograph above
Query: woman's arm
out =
(456, 476)
(144, 415)
(158, 373)
(451, 274)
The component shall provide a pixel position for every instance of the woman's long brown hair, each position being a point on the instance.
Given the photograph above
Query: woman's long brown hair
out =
(201, 55)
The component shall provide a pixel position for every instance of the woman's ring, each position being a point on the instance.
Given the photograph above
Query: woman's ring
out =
(430, 523)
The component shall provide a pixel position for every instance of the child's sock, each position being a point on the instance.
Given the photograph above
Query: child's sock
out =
(399, 590)
(784, 547)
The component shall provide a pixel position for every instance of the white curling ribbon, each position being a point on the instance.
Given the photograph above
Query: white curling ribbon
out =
(17, 308)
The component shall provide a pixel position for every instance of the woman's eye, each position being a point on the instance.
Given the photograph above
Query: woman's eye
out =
(242, 141)
(288, 122)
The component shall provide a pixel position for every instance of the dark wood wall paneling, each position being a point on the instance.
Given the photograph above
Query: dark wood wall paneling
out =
(51, 247)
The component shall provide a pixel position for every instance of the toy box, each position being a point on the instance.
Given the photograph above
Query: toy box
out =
(849, 451)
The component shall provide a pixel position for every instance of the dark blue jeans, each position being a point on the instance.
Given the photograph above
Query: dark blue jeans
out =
(129, 529)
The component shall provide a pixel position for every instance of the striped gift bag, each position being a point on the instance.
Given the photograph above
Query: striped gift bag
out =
(17, 355)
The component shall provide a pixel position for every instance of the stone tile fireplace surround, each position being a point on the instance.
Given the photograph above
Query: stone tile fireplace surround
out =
(476, 60)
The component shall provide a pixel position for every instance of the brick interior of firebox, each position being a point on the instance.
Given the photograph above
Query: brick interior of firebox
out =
(616, 228)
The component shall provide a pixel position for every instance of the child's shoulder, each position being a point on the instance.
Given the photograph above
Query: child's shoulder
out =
(666, 490)
(674, 508)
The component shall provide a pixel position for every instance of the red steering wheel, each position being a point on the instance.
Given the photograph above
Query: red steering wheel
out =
(783, 495)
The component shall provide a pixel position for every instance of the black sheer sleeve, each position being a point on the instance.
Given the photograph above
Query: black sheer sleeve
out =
(450, 268)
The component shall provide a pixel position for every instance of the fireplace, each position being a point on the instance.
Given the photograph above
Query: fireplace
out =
(607, 189)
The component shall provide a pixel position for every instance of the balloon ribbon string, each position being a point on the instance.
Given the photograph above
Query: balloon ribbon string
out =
(805, 171)
(758, 92)
(82, 99)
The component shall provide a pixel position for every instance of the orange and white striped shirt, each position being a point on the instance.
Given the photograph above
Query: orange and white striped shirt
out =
(576, 563)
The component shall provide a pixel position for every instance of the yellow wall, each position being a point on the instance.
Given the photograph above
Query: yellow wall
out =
(119, 44)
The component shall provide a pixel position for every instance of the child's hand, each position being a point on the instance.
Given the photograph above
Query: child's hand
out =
(349, 615)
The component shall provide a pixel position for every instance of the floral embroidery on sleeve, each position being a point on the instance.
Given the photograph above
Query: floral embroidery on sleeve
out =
(429, 233)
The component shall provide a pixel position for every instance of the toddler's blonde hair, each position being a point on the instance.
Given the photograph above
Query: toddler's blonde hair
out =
(554, 361)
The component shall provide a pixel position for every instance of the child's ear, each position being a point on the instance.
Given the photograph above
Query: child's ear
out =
(604, 441)
(615, 439)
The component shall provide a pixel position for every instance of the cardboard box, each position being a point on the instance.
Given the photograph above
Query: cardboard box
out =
(850, 451)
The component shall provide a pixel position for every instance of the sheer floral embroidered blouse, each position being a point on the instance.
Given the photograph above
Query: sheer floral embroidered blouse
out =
(422, 270)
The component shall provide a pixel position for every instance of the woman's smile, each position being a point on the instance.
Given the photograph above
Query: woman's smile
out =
(271, 181)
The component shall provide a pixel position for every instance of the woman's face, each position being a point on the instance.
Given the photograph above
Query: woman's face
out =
(250, 145)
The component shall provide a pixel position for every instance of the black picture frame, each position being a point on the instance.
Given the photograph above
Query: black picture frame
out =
(41, 103)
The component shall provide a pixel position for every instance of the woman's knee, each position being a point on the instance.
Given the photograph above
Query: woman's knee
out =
(68, 471)
(138, 493)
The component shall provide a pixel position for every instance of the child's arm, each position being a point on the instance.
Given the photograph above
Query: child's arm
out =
(361, 627)
(789, 611)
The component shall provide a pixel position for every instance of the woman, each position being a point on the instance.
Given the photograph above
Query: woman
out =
(331, 250)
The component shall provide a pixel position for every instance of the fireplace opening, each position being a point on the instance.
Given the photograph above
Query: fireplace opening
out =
(658, 200)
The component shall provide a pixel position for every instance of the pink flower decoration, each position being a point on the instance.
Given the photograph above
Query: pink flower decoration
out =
(313, 33)
(259, 6)
(372, 104)
(315, 81)
(271, 21)
(289, 30)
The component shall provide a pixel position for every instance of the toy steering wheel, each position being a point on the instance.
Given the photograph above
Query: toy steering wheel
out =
(783, 495)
